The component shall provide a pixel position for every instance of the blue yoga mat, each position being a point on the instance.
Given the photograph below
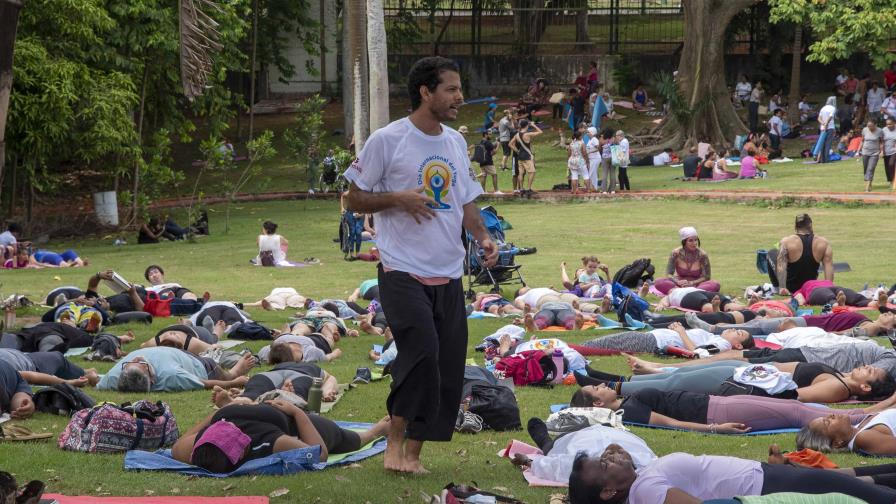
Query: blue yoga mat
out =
(558, 407)
(277, 464)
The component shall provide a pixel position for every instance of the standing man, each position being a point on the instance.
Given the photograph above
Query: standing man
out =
(798, 259)
(505, 132)
(416, 176)
(521, 145)
(775, 126)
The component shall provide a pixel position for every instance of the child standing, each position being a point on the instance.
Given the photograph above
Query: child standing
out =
(577, 162)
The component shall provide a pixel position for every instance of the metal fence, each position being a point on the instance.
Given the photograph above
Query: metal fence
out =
(558, 27)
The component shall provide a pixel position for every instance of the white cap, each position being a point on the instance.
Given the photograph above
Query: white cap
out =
(592, 131)
(687, 232)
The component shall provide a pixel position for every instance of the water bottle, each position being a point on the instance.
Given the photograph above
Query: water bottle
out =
(560, 372)
(314, 395)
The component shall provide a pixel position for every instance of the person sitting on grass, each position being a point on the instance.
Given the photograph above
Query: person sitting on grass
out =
(675, 336)
(588, 283)
(238, 433)
(688, 265)
(9, 241)
(164, 369)
(273, 245)
(692, 298)
(720, 170)
(48, 368)
(494, 303)
(684, 478)
(151, 231)
(15, 393)
(749, 166)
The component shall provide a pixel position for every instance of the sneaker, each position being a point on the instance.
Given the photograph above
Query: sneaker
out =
(566, 423)
(362, 375)
(828, 308)
(497, 193)
(467, 422)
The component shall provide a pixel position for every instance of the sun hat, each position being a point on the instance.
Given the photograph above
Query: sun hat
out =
(687, 232)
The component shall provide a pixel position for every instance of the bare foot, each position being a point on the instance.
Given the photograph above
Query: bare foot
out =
(841, 298)
(352, 333)
(575, 304)
(367, 327)
(221, 397)
(220, 327)
(645, 288)
(580, 321)
(393, 457)
(882, 298)
(529, 323)
(247, 361)
(605, 305)
(640, 366)
(754, 298)
(92, 377)
(379, 429)
(413, 466)
(504, 344)
(374, 355)
(335, 354)
(387, 334)
(716, 303)
(126, 337)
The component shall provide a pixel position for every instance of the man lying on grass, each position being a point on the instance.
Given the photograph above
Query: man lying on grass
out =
(164, 369)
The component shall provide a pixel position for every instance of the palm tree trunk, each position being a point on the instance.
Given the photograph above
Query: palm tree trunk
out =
(379, 72)
(252, 69)
(360, 75)
(9, 22)
(793, 98)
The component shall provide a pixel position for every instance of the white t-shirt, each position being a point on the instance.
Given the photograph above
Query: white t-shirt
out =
(704, 477)
(7, 239)
(271, 243)
(400, 157)
(532, 296)
(826, 114)
(798, 337)
(889, 107)
(678, 294)
(756, 95)
(668, 337)
(557, 464)
(165, 286)
(875, 99)
(841, 79)
(743, 89)
(593, 148)
(310, 352)
(804, 107)
(661, 159)
(775, 125)
(623, 147)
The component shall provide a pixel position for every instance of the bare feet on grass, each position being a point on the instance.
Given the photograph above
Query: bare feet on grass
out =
(640, 366)
(126, 337)
(221, 397)
(605, 305)
(716, 303)
(246, 362)
(644, 290)
(580, 321)
(367, 327)
(841, 298)
(393, 457)
(529, 323)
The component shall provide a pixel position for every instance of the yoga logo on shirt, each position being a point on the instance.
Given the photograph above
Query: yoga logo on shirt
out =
(437, 175)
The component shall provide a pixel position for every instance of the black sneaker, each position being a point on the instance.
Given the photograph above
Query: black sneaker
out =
(538, 431)
(362, 375)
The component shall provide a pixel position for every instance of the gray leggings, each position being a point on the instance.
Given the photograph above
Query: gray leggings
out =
(761, 326)
(703, 379)
(869, 163)
(629, 341)
(607, 175)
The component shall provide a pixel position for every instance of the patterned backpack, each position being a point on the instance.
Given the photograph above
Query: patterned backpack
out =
(109, 428)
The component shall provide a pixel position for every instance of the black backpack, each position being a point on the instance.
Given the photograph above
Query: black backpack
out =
(478, 154)
(251, 331)
(62, 399)
(495, 403)
(634, 274)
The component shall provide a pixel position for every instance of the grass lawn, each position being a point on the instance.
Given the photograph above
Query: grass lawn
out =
(617, 231)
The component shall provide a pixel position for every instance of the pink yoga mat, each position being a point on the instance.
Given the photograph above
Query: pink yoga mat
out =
(526, 449)
(185, 499)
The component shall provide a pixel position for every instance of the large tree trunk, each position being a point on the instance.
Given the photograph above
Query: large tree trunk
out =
(357, 25)
(582, 39)
(701, 77)
(528, 23)
(9, 22)
(793, 97)
(252, 76)
(379, 71)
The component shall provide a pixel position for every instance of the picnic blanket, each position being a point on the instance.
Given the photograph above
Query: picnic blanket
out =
(230, 343)
(277, 464)
(74, 352)
(178, 499)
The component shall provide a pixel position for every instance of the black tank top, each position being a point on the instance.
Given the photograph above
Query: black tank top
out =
(806, 372)
(803, 269)
(524, 153)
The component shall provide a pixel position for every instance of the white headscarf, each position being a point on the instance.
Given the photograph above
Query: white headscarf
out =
(832, 101)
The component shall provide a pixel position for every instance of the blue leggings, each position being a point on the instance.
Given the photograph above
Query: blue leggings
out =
(355, 229)
(47, 257)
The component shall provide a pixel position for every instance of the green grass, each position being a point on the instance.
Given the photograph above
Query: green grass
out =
(617, 231)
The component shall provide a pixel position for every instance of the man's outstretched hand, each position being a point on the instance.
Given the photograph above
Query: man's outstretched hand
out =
(490, 250)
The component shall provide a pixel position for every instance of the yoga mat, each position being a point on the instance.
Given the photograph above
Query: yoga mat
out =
(541, 113)
(185, 499)
(559, 407)
(481, 315)
(72, 352)
(278, 464)
(326, 406)
(515, 447)
(587, 325)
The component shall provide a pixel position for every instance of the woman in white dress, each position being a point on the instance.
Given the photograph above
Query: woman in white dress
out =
(272, 245)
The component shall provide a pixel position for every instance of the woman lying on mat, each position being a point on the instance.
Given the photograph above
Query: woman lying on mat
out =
(815, 382)
(873, 434)
(236, 434)
(823, 292)
(692, 298)
(711, 413)
(846, 322)
(704, 319)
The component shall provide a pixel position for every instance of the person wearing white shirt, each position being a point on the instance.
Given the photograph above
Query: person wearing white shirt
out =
(875, 98)
(415, 175)
(594, 158)
(753, 106)
(827, 127)
(623, 157)
(742, 90)
(775, 126)
(674, 336)
(805, 109)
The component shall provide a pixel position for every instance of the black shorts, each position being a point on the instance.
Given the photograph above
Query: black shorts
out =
(320, 342)
(505, 148)
(211, 367)
(766, 355)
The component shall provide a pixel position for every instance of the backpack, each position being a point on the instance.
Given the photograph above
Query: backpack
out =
(266, 257)
(495, 403)
(628, 303)
(108, 428)
(478, 154)
(532, 367)
(251, 331)
(631, 275)
(156, 306)
(62, 399)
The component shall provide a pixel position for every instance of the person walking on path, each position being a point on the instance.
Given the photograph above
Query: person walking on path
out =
(415, 174)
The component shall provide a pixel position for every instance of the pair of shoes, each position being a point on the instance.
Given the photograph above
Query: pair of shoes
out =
(467, 422)
(362, 375)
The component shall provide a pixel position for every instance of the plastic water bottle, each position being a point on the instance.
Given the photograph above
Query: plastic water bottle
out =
(557, 357)
(314, 395)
